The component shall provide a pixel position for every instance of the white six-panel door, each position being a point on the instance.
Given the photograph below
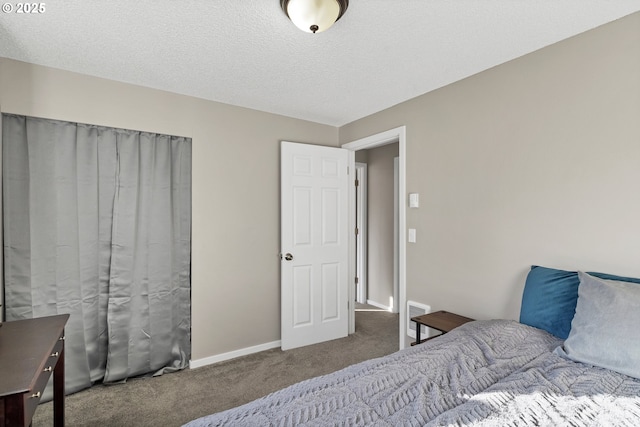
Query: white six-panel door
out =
(314, 244)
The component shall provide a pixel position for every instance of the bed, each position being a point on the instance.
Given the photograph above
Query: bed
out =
(569, 361)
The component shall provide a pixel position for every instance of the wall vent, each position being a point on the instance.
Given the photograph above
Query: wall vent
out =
(416, 309)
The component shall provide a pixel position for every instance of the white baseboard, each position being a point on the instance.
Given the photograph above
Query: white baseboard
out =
(233, 354)
(381, 306)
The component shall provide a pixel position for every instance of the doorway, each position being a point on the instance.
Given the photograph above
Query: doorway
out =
(361, 232)
(397, 135)
(376, 227)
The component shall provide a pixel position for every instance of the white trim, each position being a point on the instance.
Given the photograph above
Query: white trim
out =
(193, 364)
(398, 134)
(378, 305)
(396, 229)
(351, 304)
(361, 223)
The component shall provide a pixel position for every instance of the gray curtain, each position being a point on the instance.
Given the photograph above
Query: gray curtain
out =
(97, 224)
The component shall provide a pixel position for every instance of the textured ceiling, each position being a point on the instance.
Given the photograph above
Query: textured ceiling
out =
(247, 53)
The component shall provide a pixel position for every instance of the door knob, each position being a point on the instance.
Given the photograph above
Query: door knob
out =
(288, 256)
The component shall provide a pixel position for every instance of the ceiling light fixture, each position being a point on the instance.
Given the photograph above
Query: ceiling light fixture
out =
(314, 16)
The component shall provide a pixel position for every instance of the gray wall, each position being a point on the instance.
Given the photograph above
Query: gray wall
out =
(362, 156)
(532, 162)
(235, 186)
(380, 223)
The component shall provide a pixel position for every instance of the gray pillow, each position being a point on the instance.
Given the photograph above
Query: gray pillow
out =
(605, 330)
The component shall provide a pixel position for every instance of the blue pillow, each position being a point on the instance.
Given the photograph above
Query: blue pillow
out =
(550, 296)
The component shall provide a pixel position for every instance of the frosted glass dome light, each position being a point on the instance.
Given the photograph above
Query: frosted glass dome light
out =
(314, 16)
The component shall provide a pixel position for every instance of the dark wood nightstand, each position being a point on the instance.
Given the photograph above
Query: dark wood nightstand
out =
(31, 351)
(442, 321)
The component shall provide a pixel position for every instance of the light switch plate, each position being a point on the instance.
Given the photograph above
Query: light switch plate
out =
(412, 235)
(414, 200)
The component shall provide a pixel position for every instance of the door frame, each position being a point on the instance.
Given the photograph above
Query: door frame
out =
(388, 137)
(361, 224)
(396, 229)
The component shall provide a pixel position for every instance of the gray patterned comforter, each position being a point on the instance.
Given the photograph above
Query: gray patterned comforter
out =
(484, 373)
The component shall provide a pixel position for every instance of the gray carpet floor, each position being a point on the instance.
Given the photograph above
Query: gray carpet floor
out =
(173, 399)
